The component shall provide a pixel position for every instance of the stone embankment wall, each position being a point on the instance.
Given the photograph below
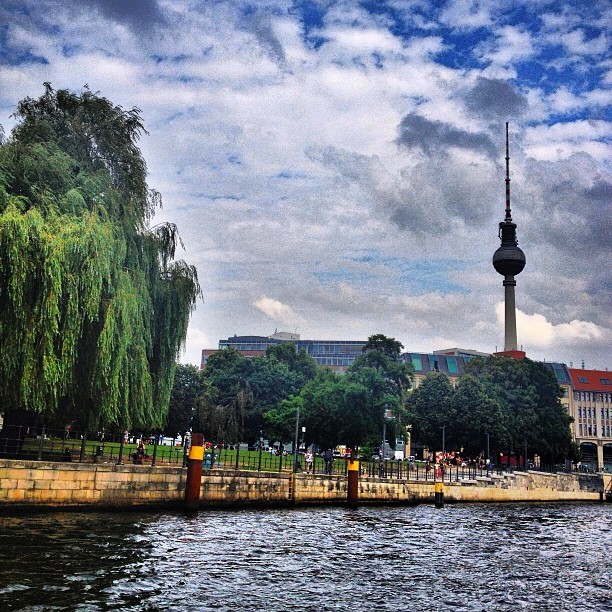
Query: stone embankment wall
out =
(35, 483)
(48, 483)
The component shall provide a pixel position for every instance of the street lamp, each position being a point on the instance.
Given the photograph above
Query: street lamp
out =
(488, 454)
(443, 440)
(295, 439)
(303, 437)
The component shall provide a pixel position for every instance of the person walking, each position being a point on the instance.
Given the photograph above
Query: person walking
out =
(328, 457)
(309, 459)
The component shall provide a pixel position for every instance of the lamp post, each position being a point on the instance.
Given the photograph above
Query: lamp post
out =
(443, 440)
(384, 438)
(303, 437)
(295, 439)
(260, 450)
(488, 454)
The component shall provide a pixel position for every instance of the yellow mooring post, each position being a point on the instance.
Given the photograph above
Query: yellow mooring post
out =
(439, 494)
(353, 482)
(194, 473)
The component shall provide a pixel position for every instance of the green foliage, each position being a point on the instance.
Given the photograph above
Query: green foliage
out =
(246, 389)
(530, 399)
(297, 361)
(187, 388)
(379, 343)
(93, 309)
(350, 409)
(515, 402)
(280, 419)
(477, 412)
(430, 407)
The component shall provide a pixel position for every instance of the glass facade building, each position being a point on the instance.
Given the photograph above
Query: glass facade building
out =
(336, 354)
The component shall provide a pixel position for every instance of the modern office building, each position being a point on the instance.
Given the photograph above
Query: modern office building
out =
(439, 361)
(339, 355)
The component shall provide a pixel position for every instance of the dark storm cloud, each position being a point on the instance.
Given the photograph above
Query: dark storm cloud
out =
(424, 198)
(433, 136)
(495, 99)
(138, 15)
(571, 220)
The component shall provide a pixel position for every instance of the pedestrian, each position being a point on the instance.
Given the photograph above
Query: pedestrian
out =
(328, 457)
(309, 459)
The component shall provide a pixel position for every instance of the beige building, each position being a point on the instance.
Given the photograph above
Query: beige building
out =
(591, 406)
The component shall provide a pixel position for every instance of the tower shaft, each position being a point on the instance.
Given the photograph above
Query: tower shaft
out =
(510, 341)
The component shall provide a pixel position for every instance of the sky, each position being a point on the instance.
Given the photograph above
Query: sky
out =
(336, 168)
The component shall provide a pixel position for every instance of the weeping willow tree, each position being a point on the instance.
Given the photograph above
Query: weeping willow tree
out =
(93, 306)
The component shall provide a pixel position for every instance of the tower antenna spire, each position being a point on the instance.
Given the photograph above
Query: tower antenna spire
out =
(508, 212)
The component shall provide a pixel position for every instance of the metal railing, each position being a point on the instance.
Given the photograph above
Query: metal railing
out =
(68, 445)
(22, 442)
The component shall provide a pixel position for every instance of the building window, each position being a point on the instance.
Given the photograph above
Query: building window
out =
(605, 381)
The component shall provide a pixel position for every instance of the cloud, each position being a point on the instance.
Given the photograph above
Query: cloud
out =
(277, 311)
(261, 26)
(326, 161)
(510, 46)
(138, 15)
(495, 99)
(539, 332)
(436, 136)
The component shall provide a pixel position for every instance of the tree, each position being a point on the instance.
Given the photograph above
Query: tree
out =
(530, 400)
(430, 407)
(280, 419)
(93, 307)
(382, 357)
(186, 391)
(246, 389)
(477, 413)
(299, 362)
(323, 408)
(380, 343)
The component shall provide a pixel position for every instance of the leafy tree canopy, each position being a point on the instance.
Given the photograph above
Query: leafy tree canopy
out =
(299, 362)
(188, 387)
(93, 306)
(430, 408)
(516, 402)
(247, 388)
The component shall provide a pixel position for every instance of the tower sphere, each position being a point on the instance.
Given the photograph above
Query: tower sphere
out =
(509, 260)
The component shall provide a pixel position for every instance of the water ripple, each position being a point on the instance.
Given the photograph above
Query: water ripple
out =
(465, 557)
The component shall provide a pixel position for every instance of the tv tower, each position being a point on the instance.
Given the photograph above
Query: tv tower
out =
(509, 261)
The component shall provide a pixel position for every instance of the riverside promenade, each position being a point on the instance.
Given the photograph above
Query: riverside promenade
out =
(26, 484)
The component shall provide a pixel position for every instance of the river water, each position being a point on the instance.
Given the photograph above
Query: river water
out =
(463, 557)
